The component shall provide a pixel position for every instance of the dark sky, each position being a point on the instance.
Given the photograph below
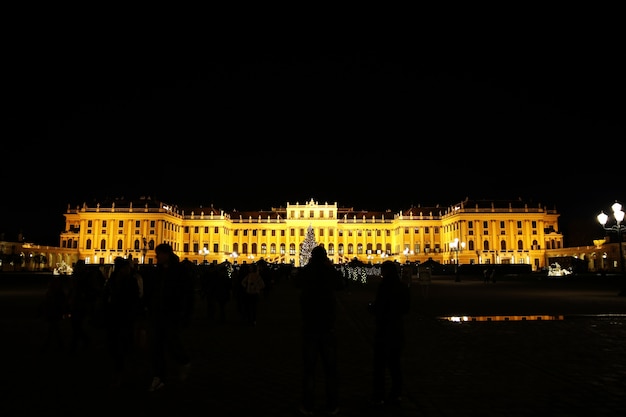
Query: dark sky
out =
(376, 121)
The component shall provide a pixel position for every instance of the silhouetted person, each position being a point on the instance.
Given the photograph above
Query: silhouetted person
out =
(216, 289)
(83, 293)
(169, 296)
(121, 308)
(318, 281)
(54, 308)
(254, 285)
(391, 304)
(239, 292)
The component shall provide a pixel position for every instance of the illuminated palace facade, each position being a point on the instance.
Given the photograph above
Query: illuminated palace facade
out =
(470, 232)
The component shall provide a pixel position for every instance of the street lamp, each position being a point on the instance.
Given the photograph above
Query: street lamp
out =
(234, 255)
(457, 246)
(619, 228)
(407, 252)
(204, 252)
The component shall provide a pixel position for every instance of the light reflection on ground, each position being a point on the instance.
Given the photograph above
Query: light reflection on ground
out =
(462, 319)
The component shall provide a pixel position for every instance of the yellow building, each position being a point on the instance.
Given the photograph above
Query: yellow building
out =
(470, 232)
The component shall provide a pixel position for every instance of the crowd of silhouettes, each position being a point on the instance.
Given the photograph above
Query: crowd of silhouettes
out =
(149, 308)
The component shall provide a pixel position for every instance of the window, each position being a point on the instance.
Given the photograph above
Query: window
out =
(120, 245)
(503, 245)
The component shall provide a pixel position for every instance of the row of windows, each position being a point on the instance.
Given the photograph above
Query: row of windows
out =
(470, 226)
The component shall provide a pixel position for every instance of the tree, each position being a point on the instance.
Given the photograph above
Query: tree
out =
(307, 246)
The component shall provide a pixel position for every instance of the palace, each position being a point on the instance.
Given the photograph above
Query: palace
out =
(470, 232)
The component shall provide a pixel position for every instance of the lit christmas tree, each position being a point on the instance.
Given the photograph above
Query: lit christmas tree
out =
(307, 246)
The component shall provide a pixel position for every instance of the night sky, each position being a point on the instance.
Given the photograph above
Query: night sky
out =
(373, 121)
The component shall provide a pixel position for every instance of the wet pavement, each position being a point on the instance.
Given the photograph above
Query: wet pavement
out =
(524, 346)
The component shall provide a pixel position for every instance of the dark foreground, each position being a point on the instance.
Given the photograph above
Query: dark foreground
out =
(503, 362)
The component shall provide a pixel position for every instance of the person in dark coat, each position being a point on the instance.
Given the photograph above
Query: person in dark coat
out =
(169, 294)
(121, 309)
(319, 280)
(392, 303)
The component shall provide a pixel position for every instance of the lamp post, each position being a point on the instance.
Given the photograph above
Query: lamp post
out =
(204, 252)
(619, 228)
(234, 255)
(457, 246)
